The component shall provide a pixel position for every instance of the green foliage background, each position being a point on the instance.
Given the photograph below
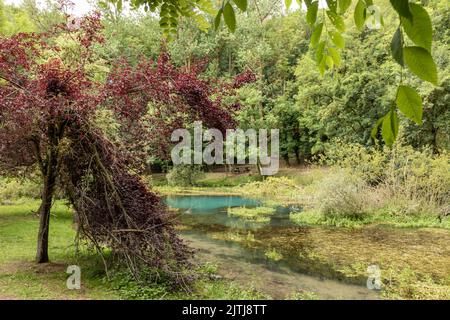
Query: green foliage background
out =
(310, 110)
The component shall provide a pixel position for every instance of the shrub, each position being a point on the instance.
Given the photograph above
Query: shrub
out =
(368, 163)
(420, 179)
(342, 194)
(14, 189)
(183, 175)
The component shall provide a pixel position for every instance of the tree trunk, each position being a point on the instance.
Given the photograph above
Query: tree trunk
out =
(49, 177)
(297, 156)
(286, 158)
(258, 166)
(44, 221)
(434, 132)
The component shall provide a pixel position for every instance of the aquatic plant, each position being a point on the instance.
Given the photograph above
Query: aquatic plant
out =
(273, 255)
(257, 214)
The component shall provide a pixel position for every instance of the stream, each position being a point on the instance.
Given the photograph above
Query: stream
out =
(251, 253)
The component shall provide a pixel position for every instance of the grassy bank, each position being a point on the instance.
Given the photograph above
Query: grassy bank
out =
(20, 277)
(327, 196)
(282, 190)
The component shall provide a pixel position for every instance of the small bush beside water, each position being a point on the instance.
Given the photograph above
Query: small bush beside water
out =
(342, 195)
(183, 175)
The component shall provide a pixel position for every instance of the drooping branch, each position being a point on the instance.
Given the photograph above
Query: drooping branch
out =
(117, 210)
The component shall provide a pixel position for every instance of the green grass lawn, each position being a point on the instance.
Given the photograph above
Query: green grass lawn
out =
(20, 277)
(19, 225)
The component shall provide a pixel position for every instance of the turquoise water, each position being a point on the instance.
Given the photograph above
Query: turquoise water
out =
(212, 210)
(207, 204)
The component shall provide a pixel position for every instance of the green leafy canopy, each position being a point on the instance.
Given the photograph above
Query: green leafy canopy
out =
(414, 22)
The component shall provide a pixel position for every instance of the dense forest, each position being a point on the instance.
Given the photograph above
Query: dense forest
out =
(88, 157)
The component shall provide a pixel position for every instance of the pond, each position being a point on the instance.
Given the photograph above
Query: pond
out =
(212, 210)
(262, 255)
